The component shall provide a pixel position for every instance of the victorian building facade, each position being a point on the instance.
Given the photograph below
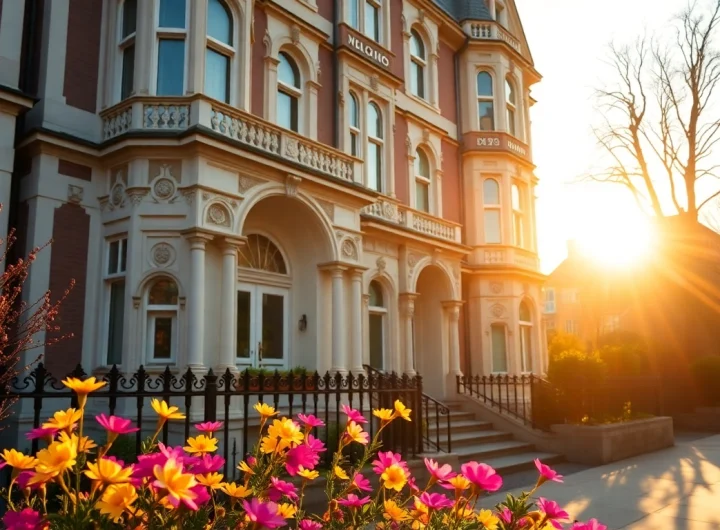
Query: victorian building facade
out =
(274, 184)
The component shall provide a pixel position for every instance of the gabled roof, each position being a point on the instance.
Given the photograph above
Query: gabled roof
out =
(465, 9)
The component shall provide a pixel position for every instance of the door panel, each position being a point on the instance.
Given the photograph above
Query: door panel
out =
(262, 326)
(244, 326)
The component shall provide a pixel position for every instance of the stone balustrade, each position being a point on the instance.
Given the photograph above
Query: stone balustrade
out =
(414, 220)
(491, 31)
(507, 256)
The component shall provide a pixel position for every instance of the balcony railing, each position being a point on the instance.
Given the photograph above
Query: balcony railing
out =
(491, 31)
(510, 256)
(423, 223)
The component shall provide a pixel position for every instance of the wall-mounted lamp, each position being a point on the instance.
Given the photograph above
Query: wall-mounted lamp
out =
(302, 323)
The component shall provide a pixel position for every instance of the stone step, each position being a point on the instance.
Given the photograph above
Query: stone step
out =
(458, 415)
(505, 465)
(484, 451)
(462, 426)
(480, 437)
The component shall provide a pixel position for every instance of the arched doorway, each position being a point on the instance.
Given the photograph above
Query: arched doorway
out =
(431, 335)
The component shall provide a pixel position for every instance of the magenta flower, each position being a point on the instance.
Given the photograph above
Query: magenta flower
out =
(308, 524)
(353, 501)
(482, 476)
(41, 432)
(386, 460)
(436, 501)
(310, 421)
(301, 455)
(316, 445)
(505, 515)
(251, 460)
(353, 415)
(592, 524)
(546, 473)
(263, 513)
(361, 483)
(24, 477)
(553, 512)
(209, 426)
(2, 464)
(28, 519)
(115, 425)
(412, 485)
(439, 472)
(280, 488)
(208, 464)
(202, 495)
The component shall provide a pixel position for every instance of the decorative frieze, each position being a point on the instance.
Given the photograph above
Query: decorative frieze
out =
(163, 254)
(166, 117)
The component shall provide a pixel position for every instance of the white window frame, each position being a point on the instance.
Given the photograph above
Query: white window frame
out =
(511, 114)
(110, 278)
(501, 14)
(121, 45)
(550, 305)
(162, 33)
(493, 207)
(383, 312)
(152, 313)
(229, 51)
(355, 130)
(483, 98)
(292, 91)
(382, 7)
(526, 343)
(380, 20)
(423, 180)
(378, 141)
(570, 295)
(518, 215)
(492, 353)
(420, 62)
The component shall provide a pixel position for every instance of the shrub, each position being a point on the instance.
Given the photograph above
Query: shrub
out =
(559, 342)
(706, 372)
(624, 353)
(573, 367)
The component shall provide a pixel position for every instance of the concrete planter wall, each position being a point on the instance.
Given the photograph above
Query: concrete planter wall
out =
(602, 444)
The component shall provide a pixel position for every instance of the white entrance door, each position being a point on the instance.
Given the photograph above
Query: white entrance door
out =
(262, 327)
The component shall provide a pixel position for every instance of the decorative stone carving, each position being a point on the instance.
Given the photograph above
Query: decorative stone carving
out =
(163, 255)
(497, 310)
(245, 183)
(164, 188)
(341, 98)
(267, 41)
(218, 215)
(412, 260)
(136, 195)
(408, 146)
(496, 287)
(349, 249)
(291, 148)
(318, 69)
(328, 208)
(436, 256)
(291, 185)
(189, 195)
(117, 196)
(375, 82)
(381, 264)
(421, 16)
(75, 194)
(426, 135)
(295, 34)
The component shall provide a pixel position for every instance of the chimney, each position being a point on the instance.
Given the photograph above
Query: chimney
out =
(572, 248)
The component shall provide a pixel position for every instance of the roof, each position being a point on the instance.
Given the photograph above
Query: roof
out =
(465, 9)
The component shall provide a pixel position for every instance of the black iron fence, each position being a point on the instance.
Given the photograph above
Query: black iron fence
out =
(230, 397)
(539, 404)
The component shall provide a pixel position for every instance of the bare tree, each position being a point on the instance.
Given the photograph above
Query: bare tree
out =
(660, 127)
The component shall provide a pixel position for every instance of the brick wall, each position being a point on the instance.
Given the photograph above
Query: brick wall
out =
(83, 54)
(71, 169)
(68, 260)
(451, 184)
(325, 9)
(326, 110)
(401, 161)
(258, 62)
(446, 75)
(397, 38)
(30, 65)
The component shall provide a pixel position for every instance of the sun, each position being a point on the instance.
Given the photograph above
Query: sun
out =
(617, 240)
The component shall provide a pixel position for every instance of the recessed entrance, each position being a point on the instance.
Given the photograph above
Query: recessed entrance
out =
(262, 326)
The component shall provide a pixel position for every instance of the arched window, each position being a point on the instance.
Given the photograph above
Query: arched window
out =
(525, 337)
(289, 93)
(126, 46)
(422, 181)
(372, 19)
(518, 225)
(498, 341)
(374, 160)
(510, 106)
(486, 102)
(261, 254)
(162, 311)
(354, 120)
(171, 33)
(418, 62)
(219, 50)
(377, 319)
(491, 203)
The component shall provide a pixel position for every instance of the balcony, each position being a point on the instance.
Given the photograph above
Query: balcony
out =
(491, 31)
(506, 256)
(178, 114)
(414, 220)
(493, 141)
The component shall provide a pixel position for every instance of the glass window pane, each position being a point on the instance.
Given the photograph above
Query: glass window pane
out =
(526, 350)
(518, 233)
(354, 144)
(417, 48)
(113, 257)
(376, 341)
(219, 22)
(499, 350)
(172, 14)
(484, 84)
(129, 17)
(128, 71)
(487, 115)
(372, 21)
(287, 112)
(422, 164)
(491, 192)
(516, 203)
(123, 255)
(353, 109)
(417, 81)
(492, 226)
(171, 67)
(374, 121)
(162, 340)
(374, 163)
(422, 196)
(511, 121)
(243, 324)
(273, 326)
(288, 73)
(115, 322)
(376, 295)
(354, 20)
(217, 75)
(509, 92)
(262, 254)
(163, 292)
(525, 313)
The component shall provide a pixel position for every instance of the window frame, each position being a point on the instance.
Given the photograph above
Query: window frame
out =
(155, 311)
(511, 107)
(295, 93)
(571, 327)
(378, 7)
(162, 33)
(379, 143)
(496, 208)
(383, 312)
(526, 342)
(354, 128)
(123, 43)
(550, 301)
(519, 239)
(423, 180)
(421, 63)
(485, 98)
(228, 51)
(492, 352)
(111, 277)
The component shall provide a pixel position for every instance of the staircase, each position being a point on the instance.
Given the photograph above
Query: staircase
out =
(477, 440)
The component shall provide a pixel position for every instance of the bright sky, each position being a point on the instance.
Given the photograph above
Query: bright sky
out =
(568, 40)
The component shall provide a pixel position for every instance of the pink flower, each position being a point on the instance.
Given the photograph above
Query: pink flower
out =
(482, 475)
(2, 464)
(41, 432)
(28, 519)
(115, 425)
(310, 421)
(592, 524)
(280, 488)
(412, 485)
(301, 455)
(23, 478)
(436, 501)
(505, 515)
(316, 445)
(546, 473)
(353, 415)
(353, 501)
(209, 426)
(361, 482)
(439, 473)
(263, 513)
(202, 495)
(553, 512)
(308, 524)
(208, 464)
(251, 460)
(386, 460)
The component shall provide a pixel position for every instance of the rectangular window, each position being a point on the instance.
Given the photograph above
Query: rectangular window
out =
(377, 340)
(511, 121)
(374, 165)
(172, 14)
(353, 19)
(492, 227)
(115, 322)
(422, 196)
(525, 348)
(417, 81)
(128, 71)
(486, 112)
(287, 111)
(570, 296)
(549, 300)
(571, 327)
(243, 324)
(354, 144)
(499, 348)
(273, 326)
(518, 230)
(129, 18)
(171, 67)
(161, 334)
(372, 21)
(217, 75)
(117, 257)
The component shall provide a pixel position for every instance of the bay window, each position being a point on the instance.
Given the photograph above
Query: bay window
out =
(115, 299)
(372, 20)
(374, 158)
(171, 35)
(510, 99)
(491, 204)
(486, 102)
(354, 116)
(422, 181)
(219, 50)
(518, 224)
(126, 47)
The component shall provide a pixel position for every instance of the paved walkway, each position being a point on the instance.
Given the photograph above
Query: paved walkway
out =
(674, 489)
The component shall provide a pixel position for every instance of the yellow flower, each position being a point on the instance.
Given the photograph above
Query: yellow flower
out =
(394, 477)
(268, 445)
(179, 485)
(356, 434)
(83, 388)
(108, 471)
(287, 430)
(488, 520)
(266, 411)
(214, 481)
(385, 415)
(58, 457)
(166, 412)
(286, 510)
(235, 491)
(18, 460)
(63, 420)
(245, 468)
(402, 411)
(340, 473)
(394, 513)
(116, 499)
(39, 478)
(308, 474)
(460, 483)
(83, 445)
(201, 444)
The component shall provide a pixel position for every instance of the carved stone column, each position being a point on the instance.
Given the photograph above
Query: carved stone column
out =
(196, 298)
(228, 305)
(453, 311)
(407, 315)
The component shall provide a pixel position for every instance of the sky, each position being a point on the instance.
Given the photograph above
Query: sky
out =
(569, 42)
